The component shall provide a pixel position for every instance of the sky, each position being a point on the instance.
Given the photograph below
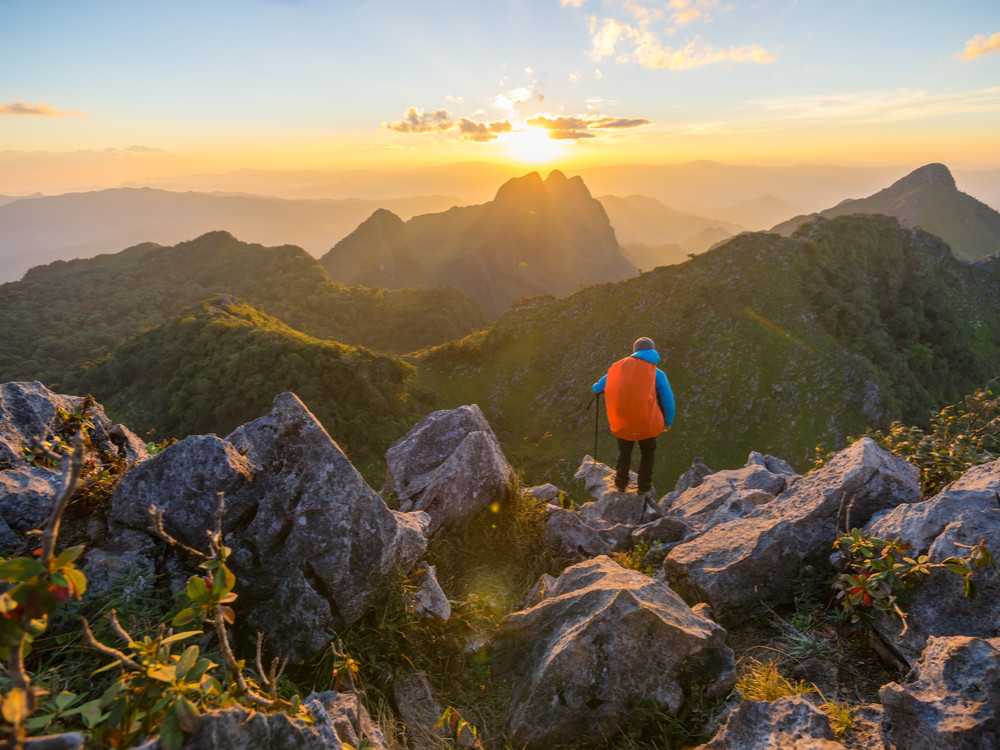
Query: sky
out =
(102, 92)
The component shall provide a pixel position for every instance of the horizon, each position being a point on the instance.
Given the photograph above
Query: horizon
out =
(120, 93)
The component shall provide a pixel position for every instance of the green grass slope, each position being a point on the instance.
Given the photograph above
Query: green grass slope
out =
(771, 344)
(222, 362)
(66, 313)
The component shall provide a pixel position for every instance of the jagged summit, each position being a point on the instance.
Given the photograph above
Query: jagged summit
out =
(537, 236)
(927, 198)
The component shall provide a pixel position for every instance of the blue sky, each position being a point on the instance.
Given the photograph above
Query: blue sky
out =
(117, 87)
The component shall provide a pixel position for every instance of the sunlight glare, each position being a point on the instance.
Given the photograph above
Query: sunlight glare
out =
(533, 145)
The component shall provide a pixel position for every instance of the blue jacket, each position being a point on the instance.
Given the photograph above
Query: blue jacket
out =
(664, 395)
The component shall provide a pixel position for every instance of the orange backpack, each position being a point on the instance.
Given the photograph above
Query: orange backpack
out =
(630, 397)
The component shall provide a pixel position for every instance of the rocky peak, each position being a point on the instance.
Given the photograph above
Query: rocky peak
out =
(932, 176)
(520, 190)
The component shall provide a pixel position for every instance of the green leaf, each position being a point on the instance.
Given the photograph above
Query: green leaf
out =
(223, 582)
(187, 661)
(179, 636)
(65, 699)
(91, 713)
(163, 673)
(78, 581)
(68, 555)
(186, 616)
(171, 735)
(187, 715)
(20, 569)
(197, 590)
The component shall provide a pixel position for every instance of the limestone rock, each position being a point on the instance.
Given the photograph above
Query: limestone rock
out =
(739, 564)
(602, 638)
(949, 700)
(449, 465)
(567, 537)
(28, 495)
(429, 600)
(785, 724)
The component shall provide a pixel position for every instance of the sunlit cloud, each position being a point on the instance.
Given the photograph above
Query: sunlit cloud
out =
(482, 132)
(571, 3)
(509, 102)
(576, 128)
(441, 121)
(642, 38)
(39, 110)
(137, 150)
(981, 45)
(882, 106)
(419, 121)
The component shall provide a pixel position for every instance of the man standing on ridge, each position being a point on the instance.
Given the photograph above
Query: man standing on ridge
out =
(640, 406)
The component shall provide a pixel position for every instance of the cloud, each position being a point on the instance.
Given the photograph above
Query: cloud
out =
(482, 132)
(441, 121)
(882, 106)
(418, 121)
(510, 101)
(574, 128)
(571, 3)
(980, 45)
(41, 110)
(642, 39)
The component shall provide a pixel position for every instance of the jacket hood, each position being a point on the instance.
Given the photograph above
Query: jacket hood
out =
(649, 355)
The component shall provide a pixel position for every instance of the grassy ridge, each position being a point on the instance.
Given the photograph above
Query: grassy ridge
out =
(770, 344)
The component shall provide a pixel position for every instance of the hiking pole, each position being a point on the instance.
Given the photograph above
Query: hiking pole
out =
(597, 414)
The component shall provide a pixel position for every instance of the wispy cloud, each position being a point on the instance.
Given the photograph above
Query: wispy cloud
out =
(417, 120)
(980, 45)
(39, 110)
(882, 106)
(575, 127)
(641, 39)
(137, 150)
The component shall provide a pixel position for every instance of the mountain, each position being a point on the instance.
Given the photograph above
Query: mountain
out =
(755, 214)
(771, 343)
(66, 313)
(39, 230)
(535, 237)
(640, 219)
(927, 199)
(220, 363)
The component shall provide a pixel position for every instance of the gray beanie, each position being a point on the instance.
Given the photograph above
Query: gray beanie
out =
(643, 343)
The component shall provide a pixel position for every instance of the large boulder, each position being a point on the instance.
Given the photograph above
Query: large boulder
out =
(449, 465)
(949, 700)
(787, 723)
(601, 639)
(311, 542)
(962, 515)
(731, 494)
(30, 413)
(743, 565)
(567, 537)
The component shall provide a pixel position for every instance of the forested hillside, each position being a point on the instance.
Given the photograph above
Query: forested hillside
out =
(66, 313)
(222, 362)
(770, 343)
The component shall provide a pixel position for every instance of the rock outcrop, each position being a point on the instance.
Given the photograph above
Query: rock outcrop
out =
(787, 723)
(602, 638)
(449, 465)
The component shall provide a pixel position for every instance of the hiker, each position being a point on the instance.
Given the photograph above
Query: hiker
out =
(640, 406)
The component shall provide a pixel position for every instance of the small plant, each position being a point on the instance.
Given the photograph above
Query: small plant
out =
(634, 559)
(879, 571)
(458, 728)
(761, 681)
(841, 715)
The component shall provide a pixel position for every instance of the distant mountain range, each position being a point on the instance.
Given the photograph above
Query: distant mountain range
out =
(535, 237)
(35, 231)
(927, 199)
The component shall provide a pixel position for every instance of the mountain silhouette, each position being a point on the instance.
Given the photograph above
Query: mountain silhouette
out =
(535, 237)
(927, 199)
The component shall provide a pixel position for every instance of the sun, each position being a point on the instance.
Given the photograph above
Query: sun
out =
(533, 145)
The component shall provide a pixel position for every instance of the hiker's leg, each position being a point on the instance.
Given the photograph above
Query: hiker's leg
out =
(624, 464)
(647, 452)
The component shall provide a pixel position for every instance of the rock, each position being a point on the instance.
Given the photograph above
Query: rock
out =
(184, 481)
(320, 540)
(419, 710)
(567, 537)
(923, 604)
(30, 412)
(28, 495)
(731, 494)
(742, 565)
(949, 700)
(311, 542)
(598, 478)
(449, 465)
(544, 493)
(9, 541)
(866, 729)
(785, 724)
(336, 720)
(429, 601)
(131, 556)
(601, 639)
(661, 531)
(918, 524)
